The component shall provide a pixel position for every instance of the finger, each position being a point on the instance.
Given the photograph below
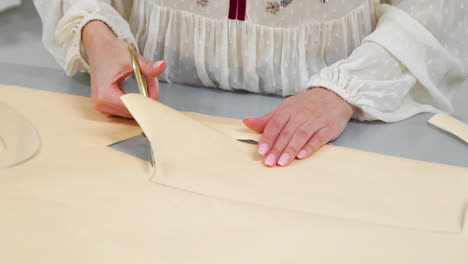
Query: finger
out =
(277, 155)
(257, 124)
(150, 68)
(298, 141)
(112, 112)
(318, 140)
(271, 132)
(153, 87)
(109, 98)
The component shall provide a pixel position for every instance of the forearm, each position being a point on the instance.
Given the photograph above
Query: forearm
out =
(96, 35)
(63, 25)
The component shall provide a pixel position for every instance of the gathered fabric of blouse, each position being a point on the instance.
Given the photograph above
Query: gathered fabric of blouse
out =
(391, 59)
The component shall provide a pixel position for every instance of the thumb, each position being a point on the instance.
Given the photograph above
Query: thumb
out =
(108, 101)
(257, 124)
(150, 68)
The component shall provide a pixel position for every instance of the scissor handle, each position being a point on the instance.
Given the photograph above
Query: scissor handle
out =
(141, 81)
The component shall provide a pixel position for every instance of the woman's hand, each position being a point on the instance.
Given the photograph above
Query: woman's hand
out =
(301, 125)
(110, 64)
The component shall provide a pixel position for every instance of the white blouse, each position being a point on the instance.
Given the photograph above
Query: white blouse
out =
(391, 59)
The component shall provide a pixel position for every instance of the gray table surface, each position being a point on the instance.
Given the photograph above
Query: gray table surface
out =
(413, 138)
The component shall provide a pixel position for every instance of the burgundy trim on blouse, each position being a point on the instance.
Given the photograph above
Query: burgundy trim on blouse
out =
(241, 9)
(237, 9)
(233, 9)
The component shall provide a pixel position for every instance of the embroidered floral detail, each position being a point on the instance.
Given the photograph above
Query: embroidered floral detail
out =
(202, 3)
(285, 3)
(273, 7)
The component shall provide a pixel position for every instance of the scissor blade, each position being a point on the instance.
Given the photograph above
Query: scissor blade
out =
(138, 147)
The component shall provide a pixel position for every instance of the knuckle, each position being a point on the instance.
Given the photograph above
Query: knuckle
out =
(317, 115)
(320, 137)
(266, 139)
(331, 125)
(303, 113)
(302, 133)
(286, 133)
(274, 125)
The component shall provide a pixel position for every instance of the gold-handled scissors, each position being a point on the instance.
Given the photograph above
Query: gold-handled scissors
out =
(141, 81)
(142, 84)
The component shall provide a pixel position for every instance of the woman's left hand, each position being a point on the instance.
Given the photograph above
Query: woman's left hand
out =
(301, 125)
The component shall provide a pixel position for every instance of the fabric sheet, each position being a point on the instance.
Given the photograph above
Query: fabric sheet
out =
(79, 201)
(451, 125)
(337, 182)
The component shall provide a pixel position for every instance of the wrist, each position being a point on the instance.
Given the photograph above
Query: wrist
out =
(95, 35)
(349, 108)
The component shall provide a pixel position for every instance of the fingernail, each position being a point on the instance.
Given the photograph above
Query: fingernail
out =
(263, 149)
(302, 154)
(246, 119)
(284, 160)
(270, 160)
(157, 64)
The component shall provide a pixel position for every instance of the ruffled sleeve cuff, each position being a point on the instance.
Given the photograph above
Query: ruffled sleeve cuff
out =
(375, 99)
(68, 32)
(400, 70)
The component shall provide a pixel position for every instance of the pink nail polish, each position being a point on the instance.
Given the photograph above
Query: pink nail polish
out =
(270, 160)
(284, 160)
(263, 148)
(302, 154)
(157, 64)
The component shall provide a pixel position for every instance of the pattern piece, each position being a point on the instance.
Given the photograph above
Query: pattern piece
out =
(451, 125)
(19, 140)
(388, 192)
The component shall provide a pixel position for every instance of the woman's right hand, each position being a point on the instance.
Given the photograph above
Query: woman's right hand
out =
(110, 64)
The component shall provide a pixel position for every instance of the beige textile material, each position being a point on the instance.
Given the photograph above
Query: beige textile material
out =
(451, 125)
(79, 201)
(337, 182)
(19, 140)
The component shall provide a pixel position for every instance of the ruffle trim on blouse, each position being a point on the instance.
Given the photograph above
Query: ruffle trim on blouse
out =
(236, 55)
(431, 72)
(68, 32)
(376, 99)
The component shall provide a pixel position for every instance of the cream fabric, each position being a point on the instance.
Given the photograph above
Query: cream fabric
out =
(391, 61)
(79, 201)
(451, 125)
